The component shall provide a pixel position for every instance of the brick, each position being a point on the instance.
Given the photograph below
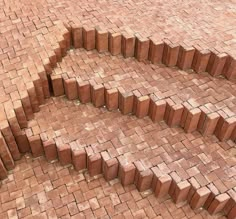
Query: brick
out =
(3, 171)
(36, 145)
(229, 70)
(181, 191)
(33, 97)
(20, 114)
(57, 85)
(213, 194)
(22, 142)
(156, 51)
(101, 40)
(216, 64)
(64, 154)
(170, 54)
(50, 150)
(84, 92)
(157, 110)
(192, 120)
(79, 159)
(175, 115)
(209, 124)
(142, 48)
(38, 88)
(226, 129)
(218, 203)
(126, 174)
(88, 37)
(98, 95)
(128, 45)
(185, 58)
(142, 106)
(194, 187)
(232, 213)
(71, 89)
(26, 105)
(45, 85)
(175, 180)
(199, 198)
(112, 99)
(137, 95)
(231, 203)
(77, 36)
(163, 186)
(187, 108)
(200, 60)
(109, 166)
(115, 43)
(95, 164)
(126, 102)
(169, 105)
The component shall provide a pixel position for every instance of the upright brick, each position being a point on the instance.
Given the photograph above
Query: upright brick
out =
(45, 82)
(175, 115)
(192, 119)
(170, 54)
(128, 45)
(26, 105)
(142, 106)
(218, 203)
(156, 51)
(50, 150)
(38, 88)
(71, 89)
(109, 166)
(3, 171)
(79, 159)
(101, 40)
(98, 95)
(185, 59)
(22, 142)
(199, 198)
(57, 85)
(88, 38)
(186, 110)
(200, 60)
(77, 36)
(115, 43)
(181, 191)
(226, 129)
(142, 48)
(126, 102)
(95, 164)
(64, 154)
(229, 70)
(112, 99)
(209, 124)
(20, 114)
(163, 186)
(36, 146)
(84, 91)
(33, 97)
(157, 110)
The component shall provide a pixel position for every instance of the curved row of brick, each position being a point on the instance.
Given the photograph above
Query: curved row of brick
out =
(14, 140)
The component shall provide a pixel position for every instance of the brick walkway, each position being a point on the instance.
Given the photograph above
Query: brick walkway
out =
(144, 97)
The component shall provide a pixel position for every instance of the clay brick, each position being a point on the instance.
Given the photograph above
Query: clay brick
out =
(128, 45)
(98, 95)
(64, 154)
(101, 40)
(126, 174)
(33, 97)
(175, 115)
(57, 85)
(187, 108)
(142, 48)
(175, 180)
(156, 51)
(232, 213)
(163, 186)
(185, 58)
(115, 43)
(137, 95)
(26, 105)
(156, 174)
(194, 187)
(3, 171)
(226, 129)
(45, 82)
(77, 36)
(5, 154)
(209, 124)
(218, 203)
(50, 150)
(71, 89)
(84, 92)
(79, 159)
(88, 38)
(181, 191)
(169, 105)
(170, 54)
(112, 99)
(142, 106)
(231, 203)
(22, 142)
(20, 114)
(157, 110)
(213, 194)
(229, 70)
(233, 136)
(199, 198)
(126, 102)
(192, 119)
(38, 88)
(36, 145)
(95, 164)
(200, 60)
(216, 64)
(109, 166)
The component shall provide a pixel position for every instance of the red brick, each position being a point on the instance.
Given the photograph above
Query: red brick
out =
(199, 198)
(64, 154)
(175, 115)
(185, 58)
(109, 166)
(112, 99)
(231, 203)
(36, 146)
(142, 48)
(26, 105)
(126, 102)
(98, 95)
(181, 191)
(38, 88)
(79, 159)
(137, 95)
(88, 37)
(209, 125)
(213, 194)
(50, 150)
(84, 92)
(192, 120)
(77, 36)
(95, 164)
(194, 187)
(33, 97)
(22, 142)
(163, 186)
(3, 171)
(200, 60)
(45, 82)
(126, 174)
(232, 213)
(115, 43)
(57, 85)
(128, 45)
(218, 203)
(229, 70)
(71, 89)
(20, 114)
(157, 110)
(169, 105)
(156, 51)
(175, 180)
(142, 106)
(101, 40)
(170, 54)
(226, 129)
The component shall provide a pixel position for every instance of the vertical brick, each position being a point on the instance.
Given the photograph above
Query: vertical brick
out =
(71, 89)
(194, 187)
(170, 54)
(84, 91)
(232, 213)
(229, 70)
(115, 43)
(79, 159)
(5, 154)
(109, 166)
(38, 88)
(218, 203)
(216, 64)
(192, 120)
(200, 60)
(64, 154)
(57, 85)
(95, 164)
(77, 36)
(126, 102)
(45, 85)
(213, 194)
(156, 51)
(50, 150)
(187, 108)
(169, 105)
(33, 97)
(26, 105)
(112, 99)
(175, 115)
(98, 95)
(209, 124)
(142, 48)
(226, 129)
(36, 146)
(199, 198)
(88, 38)
(142, 106)
(101, 40)
(157, 110)
(128, 45)
(22, 142)
(185, 58)
(20, 114)
(181, 191)
(163, 186)
(175, 180)
(137, 95)
(3, 171)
